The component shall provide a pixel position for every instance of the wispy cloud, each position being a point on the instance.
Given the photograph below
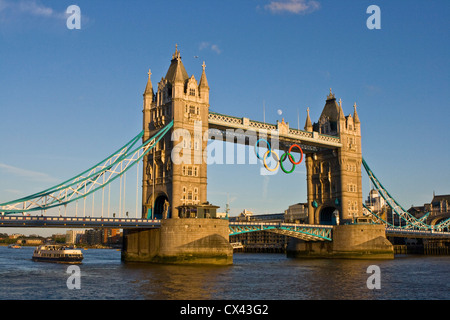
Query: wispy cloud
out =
(293, 6)
(210, 46)
(28, 174)
(28, 7)
(11, 10)
(372, 89)
(35, 9)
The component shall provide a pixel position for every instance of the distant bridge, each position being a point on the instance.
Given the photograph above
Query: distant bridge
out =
(300, 231)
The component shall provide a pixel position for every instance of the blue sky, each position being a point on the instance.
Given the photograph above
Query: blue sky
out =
(71, 97)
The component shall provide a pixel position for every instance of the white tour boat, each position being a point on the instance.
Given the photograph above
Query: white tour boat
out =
(56, 253)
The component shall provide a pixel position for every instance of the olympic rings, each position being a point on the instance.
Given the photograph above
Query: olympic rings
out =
(278, 159)
(301, 152)
(283, 157)
(256, 146)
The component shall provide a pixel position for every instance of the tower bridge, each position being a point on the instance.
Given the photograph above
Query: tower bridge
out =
(176, 223)
(332, 148)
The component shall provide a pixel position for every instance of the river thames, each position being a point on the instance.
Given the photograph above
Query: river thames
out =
(253, 276)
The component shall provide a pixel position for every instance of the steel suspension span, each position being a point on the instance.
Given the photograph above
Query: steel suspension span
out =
(300, 231)
(89, 181)
(408, 220)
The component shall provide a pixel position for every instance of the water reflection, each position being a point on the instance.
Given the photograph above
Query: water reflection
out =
(251, 277)
(256, 276)
(177, 282)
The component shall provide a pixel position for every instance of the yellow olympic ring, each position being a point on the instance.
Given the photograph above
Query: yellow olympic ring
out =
(265, 163)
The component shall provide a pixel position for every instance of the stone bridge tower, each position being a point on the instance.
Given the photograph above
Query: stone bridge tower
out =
(169, 182)
(334, 176)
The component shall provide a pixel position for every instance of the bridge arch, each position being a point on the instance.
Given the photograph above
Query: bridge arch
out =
(438, 219)
(326, 215)
(161, 208)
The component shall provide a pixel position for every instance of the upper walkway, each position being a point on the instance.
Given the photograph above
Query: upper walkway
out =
(284, 134)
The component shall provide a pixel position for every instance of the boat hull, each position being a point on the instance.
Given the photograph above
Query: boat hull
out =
(70, 260)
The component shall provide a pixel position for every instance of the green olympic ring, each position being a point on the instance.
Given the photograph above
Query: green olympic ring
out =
(281, 159)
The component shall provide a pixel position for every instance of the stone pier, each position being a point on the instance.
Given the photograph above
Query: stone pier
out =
(180, 241)
(355, 241)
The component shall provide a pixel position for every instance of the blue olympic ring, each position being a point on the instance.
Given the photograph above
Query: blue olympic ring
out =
(256, 146)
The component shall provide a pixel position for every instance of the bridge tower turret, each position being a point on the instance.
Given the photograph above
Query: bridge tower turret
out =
(174, 171)
(334, 176)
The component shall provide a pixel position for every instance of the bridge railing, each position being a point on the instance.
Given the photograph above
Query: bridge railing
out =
(294, 134)
(302, 231)
(76, 222)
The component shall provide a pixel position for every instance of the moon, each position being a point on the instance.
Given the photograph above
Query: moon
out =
(279, 112)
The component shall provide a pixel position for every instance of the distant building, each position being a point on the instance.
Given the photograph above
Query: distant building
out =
(440, 204)
(221, 215)
(375, 202)
(93, 237)
(74, 236)
(296, 213)
(261, 241)
(248, 215)
(417, 211)
(58, 237)
(31, 242)
(111, 236)
(245, 215)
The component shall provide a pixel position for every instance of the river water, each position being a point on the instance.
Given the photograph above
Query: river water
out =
(253, 276)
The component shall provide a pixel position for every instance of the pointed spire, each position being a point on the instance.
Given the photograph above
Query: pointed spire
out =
(176, 71)
(331, 95)
(176, 55)
(341, 112)
(203, 80)
(149, 87)
(355, 114)
(308, 124)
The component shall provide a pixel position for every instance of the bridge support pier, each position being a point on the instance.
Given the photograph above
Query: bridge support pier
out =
(356, 241)
(180, 241)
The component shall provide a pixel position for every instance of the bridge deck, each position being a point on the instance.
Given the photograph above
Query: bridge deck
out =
(284, 134)
(303, 231)
(404, 233)
(76, 222)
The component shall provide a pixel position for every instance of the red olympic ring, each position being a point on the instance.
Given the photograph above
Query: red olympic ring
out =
(290, 152)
